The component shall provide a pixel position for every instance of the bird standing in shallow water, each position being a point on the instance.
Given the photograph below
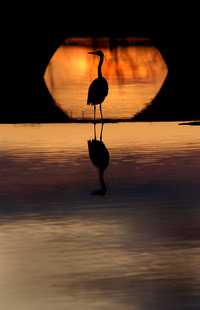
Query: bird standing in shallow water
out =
(98, 89)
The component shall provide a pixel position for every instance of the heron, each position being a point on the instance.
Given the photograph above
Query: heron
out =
(98, 89)
(99, 156)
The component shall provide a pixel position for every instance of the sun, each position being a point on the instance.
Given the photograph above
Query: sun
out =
(80, 64)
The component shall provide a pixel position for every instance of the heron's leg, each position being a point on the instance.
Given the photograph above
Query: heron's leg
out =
(101, 113)
(95, 136)
(101, 131)
(94, 113)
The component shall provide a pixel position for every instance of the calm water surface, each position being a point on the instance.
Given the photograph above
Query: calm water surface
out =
(137, 247)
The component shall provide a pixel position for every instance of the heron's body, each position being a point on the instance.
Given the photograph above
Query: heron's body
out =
(97, 92)
(98, 89)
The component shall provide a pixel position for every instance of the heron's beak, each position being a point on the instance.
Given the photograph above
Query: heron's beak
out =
(93, 53)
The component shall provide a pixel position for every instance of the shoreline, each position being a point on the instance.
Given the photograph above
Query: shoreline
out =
(193, 122)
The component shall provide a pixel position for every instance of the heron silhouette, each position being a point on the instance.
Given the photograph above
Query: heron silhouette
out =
(99, 156)
(98, 89)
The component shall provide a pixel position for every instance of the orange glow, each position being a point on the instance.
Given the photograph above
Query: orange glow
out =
(135, 75)
(56, 137)
(81, 65)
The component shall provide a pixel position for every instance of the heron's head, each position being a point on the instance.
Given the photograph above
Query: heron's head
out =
(98, 53)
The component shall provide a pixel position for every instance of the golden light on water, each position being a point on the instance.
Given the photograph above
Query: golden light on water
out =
(135, 74)
(56, 138)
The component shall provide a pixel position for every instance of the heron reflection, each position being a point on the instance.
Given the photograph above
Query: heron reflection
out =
(99, 156)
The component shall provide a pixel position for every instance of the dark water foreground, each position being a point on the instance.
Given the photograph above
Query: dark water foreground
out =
(137, 247)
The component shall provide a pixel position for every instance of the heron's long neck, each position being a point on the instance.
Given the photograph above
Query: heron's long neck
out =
(99, 66)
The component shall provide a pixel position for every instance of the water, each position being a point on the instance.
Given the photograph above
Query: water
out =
(137, 247)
